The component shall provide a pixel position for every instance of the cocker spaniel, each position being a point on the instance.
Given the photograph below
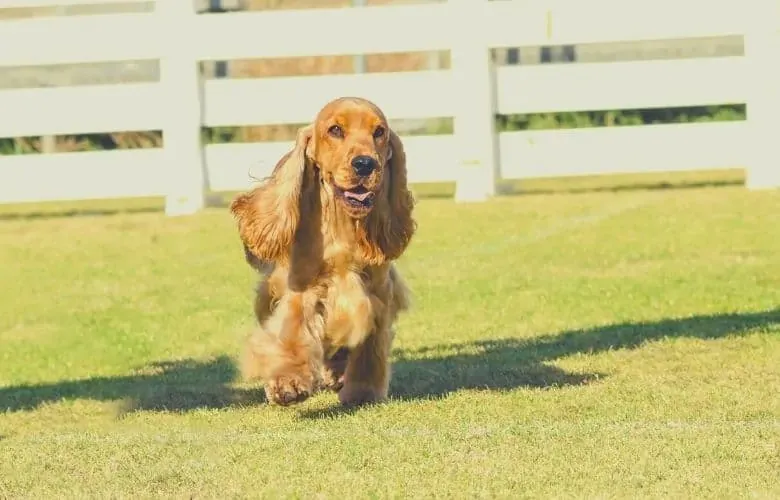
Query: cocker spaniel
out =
(324, 230)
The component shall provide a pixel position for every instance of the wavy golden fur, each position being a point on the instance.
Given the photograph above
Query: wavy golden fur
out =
(324, 231)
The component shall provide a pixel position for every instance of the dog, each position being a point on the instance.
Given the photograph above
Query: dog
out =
(324, 231)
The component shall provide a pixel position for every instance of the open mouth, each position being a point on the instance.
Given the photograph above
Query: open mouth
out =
(358, 197)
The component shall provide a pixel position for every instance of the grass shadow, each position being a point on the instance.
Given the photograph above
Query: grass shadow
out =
(431, 372)
(497, 365)
(510, 363)
(329, 412)
(170, 386)
(76, 212)
(619, 188)
(613, 183)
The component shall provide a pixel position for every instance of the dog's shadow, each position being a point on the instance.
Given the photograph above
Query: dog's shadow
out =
(498, 365)
(184, 385)
(169, 386)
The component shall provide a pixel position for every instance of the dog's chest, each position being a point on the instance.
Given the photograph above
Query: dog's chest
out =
(349, 310)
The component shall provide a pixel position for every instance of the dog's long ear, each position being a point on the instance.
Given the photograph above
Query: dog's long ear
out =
(268, 215)
(390, 225)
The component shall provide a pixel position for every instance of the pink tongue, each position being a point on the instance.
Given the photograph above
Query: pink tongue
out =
(357, 196)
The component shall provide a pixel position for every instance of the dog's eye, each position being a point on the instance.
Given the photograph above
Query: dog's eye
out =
(336, 131)
(379, 132)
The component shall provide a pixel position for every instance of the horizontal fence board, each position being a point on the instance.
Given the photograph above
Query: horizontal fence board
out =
(515, 23)
(323, 32)
(28, 4)
(233, 166)
(622, 85)
(86, 109)
(82, 176)
(527, 154)
(80, 39)
(617, 150)
(512, 23)
(263, 101)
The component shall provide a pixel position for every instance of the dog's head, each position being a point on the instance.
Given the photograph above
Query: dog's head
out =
(348, 159)
(351, 146)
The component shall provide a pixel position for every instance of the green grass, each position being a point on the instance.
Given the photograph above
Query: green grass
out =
(585, 340)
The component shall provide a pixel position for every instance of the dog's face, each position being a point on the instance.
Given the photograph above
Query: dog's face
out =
(350, 159)
(351, 146)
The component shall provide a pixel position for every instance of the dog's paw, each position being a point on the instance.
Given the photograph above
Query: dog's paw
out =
(331, 382)
(333, 371)
(358, 394)
(289, 389)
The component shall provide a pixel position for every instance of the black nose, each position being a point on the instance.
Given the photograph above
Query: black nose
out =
(363, 165)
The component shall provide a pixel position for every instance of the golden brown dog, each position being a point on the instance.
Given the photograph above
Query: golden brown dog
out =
(324, 231)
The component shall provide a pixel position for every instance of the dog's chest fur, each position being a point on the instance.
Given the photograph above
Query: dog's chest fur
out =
(349, 300)
(349, 310)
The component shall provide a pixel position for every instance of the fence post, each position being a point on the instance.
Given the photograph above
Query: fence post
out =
(762, 48)
(181, 85)
(474, 125)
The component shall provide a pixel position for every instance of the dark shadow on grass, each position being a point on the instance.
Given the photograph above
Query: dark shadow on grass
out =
(432, 372)
(333, 411)
(66, 214)
(618, 188)
(518, 188)
(497, 365)
(170, 386)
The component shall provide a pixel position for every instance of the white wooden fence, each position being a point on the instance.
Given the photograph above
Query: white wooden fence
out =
(471, 92)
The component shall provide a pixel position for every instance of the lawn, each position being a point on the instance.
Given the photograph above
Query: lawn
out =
(597, 341)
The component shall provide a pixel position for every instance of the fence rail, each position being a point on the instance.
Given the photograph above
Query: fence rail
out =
(472, 92)
(30, 4)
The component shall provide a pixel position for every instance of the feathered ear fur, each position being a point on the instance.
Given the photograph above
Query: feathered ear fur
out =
(390, 226)
(268, 215)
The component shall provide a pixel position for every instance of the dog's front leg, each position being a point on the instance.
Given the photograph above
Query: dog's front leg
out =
(334, 368)
(285, 352)
(367, 376)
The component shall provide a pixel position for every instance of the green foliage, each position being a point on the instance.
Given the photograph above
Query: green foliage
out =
(7, 147)
(611, 118)
(21, 145)
(220, 135)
